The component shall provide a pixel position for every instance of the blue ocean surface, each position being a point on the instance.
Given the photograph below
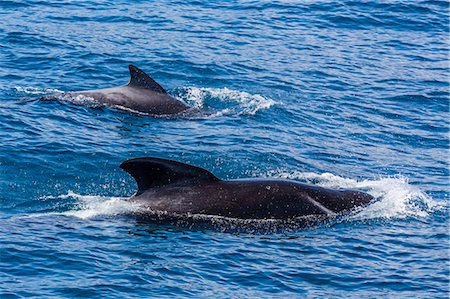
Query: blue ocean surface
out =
(341, 94)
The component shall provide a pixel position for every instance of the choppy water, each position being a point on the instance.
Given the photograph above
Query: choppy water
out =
(335, 93)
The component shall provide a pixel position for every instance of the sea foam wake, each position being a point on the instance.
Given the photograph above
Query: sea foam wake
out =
(30, 90)
(231, 101)
(397, 198)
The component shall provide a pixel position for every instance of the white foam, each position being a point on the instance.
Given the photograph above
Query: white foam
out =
(247, 103)
(397, 198)
(35, 91)
(90, 206)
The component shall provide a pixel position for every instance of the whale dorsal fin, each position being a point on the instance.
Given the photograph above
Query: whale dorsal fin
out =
(155, 172)
(138, 78)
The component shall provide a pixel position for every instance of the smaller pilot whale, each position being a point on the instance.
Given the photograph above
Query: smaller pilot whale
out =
(174, 187)
(142, 94)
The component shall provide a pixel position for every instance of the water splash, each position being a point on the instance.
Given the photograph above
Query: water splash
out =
(30, 90)
(90, 206)
(232, 101)
(397, 197)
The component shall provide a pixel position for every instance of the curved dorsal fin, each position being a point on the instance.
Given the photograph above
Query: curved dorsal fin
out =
(155, 172)
(138, 78)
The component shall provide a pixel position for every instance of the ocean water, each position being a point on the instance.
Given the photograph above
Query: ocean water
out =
(343, 94)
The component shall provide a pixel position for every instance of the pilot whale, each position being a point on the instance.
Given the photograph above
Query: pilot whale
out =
(174, 187)
(142, 94)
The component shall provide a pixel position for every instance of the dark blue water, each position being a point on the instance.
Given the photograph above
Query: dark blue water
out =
(335, 93)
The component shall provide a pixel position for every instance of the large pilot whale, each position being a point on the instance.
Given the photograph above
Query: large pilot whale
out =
(174, 187)
(142, 94)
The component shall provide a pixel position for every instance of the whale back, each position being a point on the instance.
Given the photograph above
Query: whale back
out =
(155, 172)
